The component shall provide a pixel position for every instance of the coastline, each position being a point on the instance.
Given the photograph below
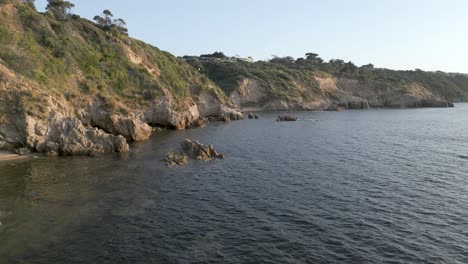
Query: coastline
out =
(8, 156)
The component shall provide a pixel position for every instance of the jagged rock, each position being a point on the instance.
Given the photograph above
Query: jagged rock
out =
(68, 136)
(334, 107)
(436, 103)
(198, 151)
(176, 159)
(358, 104)
(286, 118)
(22, 151)
(225, 119)
(201, 122)
(163, 113)
(232, 113)
(120, 144)
(157, 130)
(131, 127)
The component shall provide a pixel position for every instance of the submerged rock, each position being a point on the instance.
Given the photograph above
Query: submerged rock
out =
(176, 158)
(286, 118)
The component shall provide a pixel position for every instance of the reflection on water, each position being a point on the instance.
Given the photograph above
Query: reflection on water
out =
(377, 186)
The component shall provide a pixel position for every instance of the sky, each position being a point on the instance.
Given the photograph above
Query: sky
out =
(396, 34)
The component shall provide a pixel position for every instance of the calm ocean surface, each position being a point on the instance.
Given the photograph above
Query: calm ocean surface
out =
(375, 186)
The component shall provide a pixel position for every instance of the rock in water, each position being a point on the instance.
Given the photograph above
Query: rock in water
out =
(257, 117)
(201, 122)
(250, 116)
(22, 151)
(286, 118)
(226, 119)
(198, 151)
(176, 158)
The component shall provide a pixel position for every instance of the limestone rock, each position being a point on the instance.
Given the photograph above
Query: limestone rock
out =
(232, 113)
(131, 127)
(163, 112)
(201, 122)
(68, 136)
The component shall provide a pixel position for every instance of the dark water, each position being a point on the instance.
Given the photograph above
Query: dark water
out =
(377, 186)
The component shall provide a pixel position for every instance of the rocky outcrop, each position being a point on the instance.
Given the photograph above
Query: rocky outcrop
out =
(198, 151)
(191, 149)
(282, 118)
(68, 136)
(333, 94)
(439, 103)
(132, 128)
(165, 112)
(250, 92)
(231, 113)
(210, 105)
(176, 158)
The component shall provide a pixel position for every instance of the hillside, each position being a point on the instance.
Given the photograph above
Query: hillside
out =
(65, 78)
(311, 83)
(71, 86)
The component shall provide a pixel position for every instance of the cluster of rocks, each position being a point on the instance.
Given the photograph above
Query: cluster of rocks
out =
(198, 151)
(191, 149)
(176, 158)
(282, 118)
(252, 116)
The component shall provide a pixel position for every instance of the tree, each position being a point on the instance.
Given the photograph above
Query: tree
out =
(282, 60)
(61, 9)
(217, 54)
(313, 59)
(368, 67)
(350, 68)
(107, 22)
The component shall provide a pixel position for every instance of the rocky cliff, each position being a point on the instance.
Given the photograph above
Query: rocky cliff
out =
(253, 94)
(288, 84)
(68, 87)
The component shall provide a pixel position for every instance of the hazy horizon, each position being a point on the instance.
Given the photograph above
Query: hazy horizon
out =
(400, 35)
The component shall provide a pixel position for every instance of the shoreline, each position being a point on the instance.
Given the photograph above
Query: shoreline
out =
(9, 156)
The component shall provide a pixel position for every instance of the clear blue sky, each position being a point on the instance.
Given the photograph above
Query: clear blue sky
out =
(396, 34)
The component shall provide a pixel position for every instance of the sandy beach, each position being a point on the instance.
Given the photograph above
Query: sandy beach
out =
(5, 156)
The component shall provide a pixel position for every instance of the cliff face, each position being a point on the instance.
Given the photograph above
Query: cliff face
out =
(272, 86)
(68, 87)
(253, 94)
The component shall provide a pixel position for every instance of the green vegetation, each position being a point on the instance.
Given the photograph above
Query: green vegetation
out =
(286, 76)
(107, 22)
(79, 60)
(66, 54)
